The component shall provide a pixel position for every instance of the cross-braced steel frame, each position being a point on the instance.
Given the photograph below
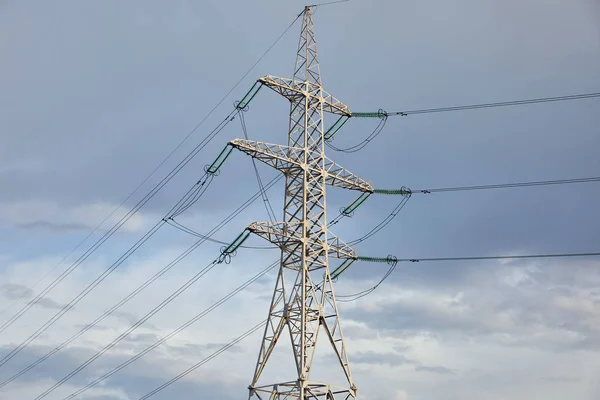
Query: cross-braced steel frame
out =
(303, 302)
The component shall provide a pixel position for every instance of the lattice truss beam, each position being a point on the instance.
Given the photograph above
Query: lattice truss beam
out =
(286, 159)
(303, 302)
(293, 91)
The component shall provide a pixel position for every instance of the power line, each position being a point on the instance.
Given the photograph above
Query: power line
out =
(490, 105)
(353, 297)
(123, 335)
(383, 115)
(395, 261)
(205, 360)
(174, 332)
(101, 241)
(265, 199)
(328, 3)
(389, 218)
(381, 225)
(118, 225)
(192, 232)
(509, 185)
(359, 146)
(98, 280)
(169, 266)
(558, 255)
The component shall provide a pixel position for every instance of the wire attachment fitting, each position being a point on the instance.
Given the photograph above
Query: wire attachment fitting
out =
(241, 106)
(392, 260)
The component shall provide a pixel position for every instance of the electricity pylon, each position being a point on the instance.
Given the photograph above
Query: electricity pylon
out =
(303, 300)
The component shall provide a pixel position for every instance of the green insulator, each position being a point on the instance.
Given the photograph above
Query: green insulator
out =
(238, 241)
(403, 191)
(213, 168)
(379, 114)
(343, 267)
(245, 101)
(333, 129)
(372, 259)
(355, 204)
(389, 259)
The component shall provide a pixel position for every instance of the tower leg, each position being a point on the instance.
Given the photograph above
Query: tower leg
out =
(275, 325)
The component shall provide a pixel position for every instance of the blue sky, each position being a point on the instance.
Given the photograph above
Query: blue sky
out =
(95, 94)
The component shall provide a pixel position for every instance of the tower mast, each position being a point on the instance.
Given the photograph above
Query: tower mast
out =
(303, 302)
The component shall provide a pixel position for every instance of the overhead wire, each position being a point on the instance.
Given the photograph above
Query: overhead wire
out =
(178, 259)
(389, 218)
(264, 196)
(393, 261)
(205, 360)
(496, 104)
(143, 201)
(187, 324)
(412, 260)
(108, 271)
(170, 298)
(43, 277)
(556, 255)
(359, 146)
(521, 102)
(201, 187)
(409, 192)
(120, 223)
(509, 185)
(328, 3)
(383, 115)
(136, 325)
(190, 231)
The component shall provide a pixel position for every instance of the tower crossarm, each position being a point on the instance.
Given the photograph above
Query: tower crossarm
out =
(285, 158)
(279, 233)
(284, 234)
(338, 248)
(296, 91)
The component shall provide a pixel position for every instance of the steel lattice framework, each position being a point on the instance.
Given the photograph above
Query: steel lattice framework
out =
(303, 301)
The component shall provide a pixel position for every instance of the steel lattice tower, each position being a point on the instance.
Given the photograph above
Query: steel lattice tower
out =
(303, 301)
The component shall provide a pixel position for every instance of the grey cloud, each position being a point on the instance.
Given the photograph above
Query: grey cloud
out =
(557, 378)
(200, 350)
(15, 291)
(55, 227)
(134, 381)
(46, 302)
(125, 316)
(95, 327)
(435, 369)
(142, 338)
(371, 357)
(85, 117)
(545, 311)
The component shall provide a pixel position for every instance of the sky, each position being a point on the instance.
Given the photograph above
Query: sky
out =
(94, 95)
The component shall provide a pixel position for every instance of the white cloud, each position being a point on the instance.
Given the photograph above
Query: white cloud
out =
(466, 339)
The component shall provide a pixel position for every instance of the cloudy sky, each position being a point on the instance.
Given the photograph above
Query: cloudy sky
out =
(95, 94)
